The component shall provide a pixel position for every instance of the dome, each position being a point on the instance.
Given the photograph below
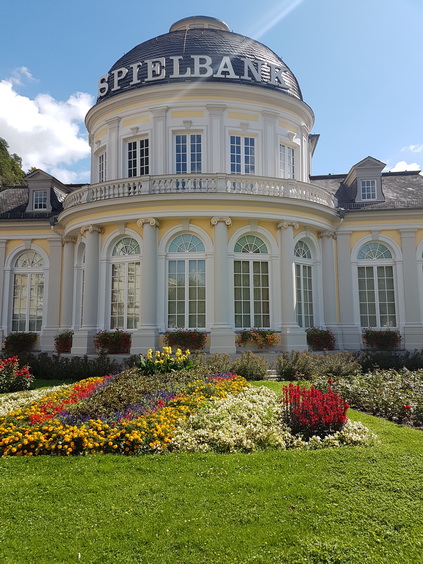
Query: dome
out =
(202, 49)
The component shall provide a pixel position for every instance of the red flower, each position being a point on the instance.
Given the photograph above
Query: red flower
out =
(407, 406)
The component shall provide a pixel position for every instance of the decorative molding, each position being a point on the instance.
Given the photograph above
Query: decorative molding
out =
(90, 229)
(150, 220)
(244, 126)
(215, 220)
(27, 244)
(68, 239)
(375, 235)
(285, 224)
(291, 135)
(253, 224)
(187, 123)
(134, 130)
(327, 233)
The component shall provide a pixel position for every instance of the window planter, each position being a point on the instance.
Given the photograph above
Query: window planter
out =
(321, 339)
(382, 340)
(190, 339)
(253, 339)
(19, 342)
(63, 342)
(113, 342)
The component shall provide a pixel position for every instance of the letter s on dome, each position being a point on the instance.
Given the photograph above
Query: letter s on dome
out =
(103, 85)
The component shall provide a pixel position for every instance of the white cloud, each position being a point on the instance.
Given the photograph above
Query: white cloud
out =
(413, 148)
(46, 133)
(402, 166)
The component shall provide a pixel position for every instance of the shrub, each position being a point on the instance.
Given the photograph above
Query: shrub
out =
(396, 396)
(113, 342)
(263, 338)
(163, 362)
(339, 365)
(371, 360)
(63, 342)
(190, 339)
(71, 368)
(295, 365)
(16, 343)
(215, 363)
(250, 366)
(321, 339)
(382, 340)
(13, 378)
(311, 412)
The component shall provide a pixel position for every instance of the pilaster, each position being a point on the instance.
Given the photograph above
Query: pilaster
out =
(222, 336)
(292, 335)
(413, 328)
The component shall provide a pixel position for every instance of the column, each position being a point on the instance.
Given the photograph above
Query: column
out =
(293, 337)
(159, 139)
(413, 328)
(216, 144)
(350, 328)
(113, 150)
(50, 327)
(147, 334)
(3, 298)
(67, 283)
(83, 339)
(269, 144)
(329, 284)
(222, 335)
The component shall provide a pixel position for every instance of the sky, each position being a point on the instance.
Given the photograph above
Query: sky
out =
(359, 64)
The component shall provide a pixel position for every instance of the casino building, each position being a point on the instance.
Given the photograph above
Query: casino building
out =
(203, 213)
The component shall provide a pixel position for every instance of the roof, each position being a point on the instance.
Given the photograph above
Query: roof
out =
(401, 190)
(215, 42)
(14, 201)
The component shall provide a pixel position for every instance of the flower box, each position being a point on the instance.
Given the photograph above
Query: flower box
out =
(254, 339)
(113, 342)
(63, 342)
(321, 339)
(190, 339)
(382, 340)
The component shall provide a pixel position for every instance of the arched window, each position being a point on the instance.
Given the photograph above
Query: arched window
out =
(125, 284)
(251, 283)
(376, 288)
(186, 283)
(28, 292)
(304, 285)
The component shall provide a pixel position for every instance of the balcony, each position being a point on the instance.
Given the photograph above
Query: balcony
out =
(200, 184)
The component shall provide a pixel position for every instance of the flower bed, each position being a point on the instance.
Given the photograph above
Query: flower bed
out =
(262, 338)
(394, 395)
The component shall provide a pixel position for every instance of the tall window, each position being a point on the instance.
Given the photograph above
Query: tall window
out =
(304, 285)
(39, 200)
(138, 157)
(368, 189)
(286, 161)
(186, 283)
(376, 286)
(251, 283)
(188, 153)
(242, 152)
(125, 286)
(102, 168)
(28, 292)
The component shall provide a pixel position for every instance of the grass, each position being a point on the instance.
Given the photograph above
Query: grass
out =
(348, 505)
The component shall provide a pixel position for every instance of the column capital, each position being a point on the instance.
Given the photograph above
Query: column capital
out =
(67, 239)
(285, 224)
(90, 229)
(215, 220)
(150, 220)
(327, 233)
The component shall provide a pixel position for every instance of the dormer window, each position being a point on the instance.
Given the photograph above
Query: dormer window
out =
(39, 200)
(368, 189)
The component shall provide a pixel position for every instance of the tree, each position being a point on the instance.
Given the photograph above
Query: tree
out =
(11, 172)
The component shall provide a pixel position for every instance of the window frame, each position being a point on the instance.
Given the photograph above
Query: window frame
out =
(366, 188)
(28, 272)
(43, 200)
(191, 163)
(196, 305)
(287, 168)
(304, 264)
(243, 154)
(142, 165)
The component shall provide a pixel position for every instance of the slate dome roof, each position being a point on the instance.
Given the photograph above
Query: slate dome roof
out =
(201, 35)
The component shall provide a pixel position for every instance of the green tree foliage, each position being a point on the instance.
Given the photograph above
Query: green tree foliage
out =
(11, 172)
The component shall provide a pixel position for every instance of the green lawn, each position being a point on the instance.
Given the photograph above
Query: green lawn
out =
(347, 505)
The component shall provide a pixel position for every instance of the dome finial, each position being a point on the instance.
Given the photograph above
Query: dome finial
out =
(199, 22)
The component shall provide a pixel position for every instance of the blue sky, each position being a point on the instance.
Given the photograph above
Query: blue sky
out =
(359, 64)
